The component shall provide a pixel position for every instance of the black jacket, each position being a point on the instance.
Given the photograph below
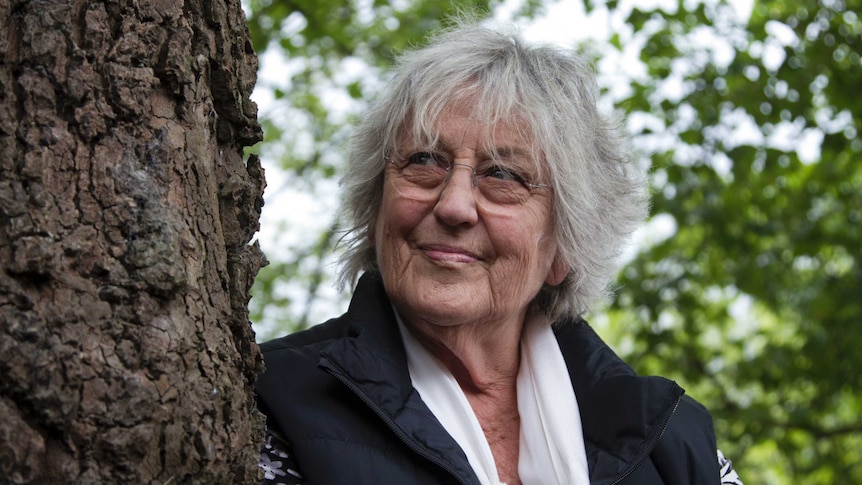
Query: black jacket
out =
(341, 396)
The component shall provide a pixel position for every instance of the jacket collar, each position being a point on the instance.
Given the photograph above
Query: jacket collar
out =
(373, 355)
(372, 361)
(623, 414)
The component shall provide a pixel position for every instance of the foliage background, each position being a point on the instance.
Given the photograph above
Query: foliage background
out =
(744, 285)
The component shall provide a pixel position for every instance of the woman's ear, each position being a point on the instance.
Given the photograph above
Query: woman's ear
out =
(558, 272)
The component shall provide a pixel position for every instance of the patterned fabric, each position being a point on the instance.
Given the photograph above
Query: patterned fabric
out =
(279, 468)
(275, 461)
(728, 474)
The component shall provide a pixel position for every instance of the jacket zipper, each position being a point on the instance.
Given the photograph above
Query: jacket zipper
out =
(391, 425)
(651, 446)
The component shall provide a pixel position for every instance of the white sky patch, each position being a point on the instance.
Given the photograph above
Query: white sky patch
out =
(737, 128)
(639, 121)
(659, 228)
(795, 137)
(669, 6)
(782, 33)
(779, 37)
(562, 22)
(671, 88)
(742, 312)
(722, 165)
(566, 22)
(773, 56)
(808, 147)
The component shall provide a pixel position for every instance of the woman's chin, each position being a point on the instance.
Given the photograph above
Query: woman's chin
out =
(444, 310)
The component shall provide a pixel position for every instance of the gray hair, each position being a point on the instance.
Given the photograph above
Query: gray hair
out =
(599, 194)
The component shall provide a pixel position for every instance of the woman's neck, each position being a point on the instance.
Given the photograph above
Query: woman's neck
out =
(485, 360)
(483, 357)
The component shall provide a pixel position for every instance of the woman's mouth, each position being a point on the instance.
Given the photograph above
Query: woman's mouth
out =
(450, 254)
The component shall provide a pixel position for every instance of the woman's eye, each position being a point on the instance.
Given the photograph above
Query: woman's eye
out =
(426, 159)
(501, 173)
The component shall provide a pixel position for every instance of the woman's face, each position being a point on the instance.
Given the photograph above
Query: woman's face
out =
(451, 255)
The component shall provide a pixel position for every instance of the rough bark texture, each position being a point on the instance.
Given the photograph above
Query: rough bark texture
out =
(126, 209)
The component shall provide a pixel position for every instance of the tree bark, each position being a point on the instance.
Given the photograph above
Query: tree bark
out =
(126, 211)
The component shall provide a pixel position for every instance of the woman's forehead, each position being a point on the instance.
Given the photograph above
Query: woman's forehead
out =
(460, 124)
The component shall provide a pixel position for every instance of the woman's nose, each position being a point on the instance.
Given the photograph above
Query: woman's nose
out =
(457, 203)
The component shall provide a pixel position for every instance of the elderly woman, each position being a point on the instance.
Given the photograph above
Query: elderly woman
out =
(487, 202)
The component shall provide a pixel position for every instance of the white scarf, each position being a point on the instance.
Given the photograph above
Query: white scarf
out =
(551, 443)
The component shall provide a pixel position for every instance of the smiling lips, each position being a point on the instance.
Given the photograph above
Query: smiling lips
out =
(450, 254)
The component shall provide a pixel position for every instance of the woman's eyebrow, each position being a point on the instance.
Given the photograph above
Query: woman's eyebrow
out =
(425, 144)
(431, 143)
(508, 153)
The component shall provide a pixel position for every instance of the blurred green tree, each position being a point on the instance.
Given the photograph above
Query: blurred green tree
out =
(751, 126)
(748, 121)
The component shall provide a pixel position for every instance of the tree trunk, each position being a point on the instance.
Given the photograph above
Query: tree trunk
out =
(126, 209)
